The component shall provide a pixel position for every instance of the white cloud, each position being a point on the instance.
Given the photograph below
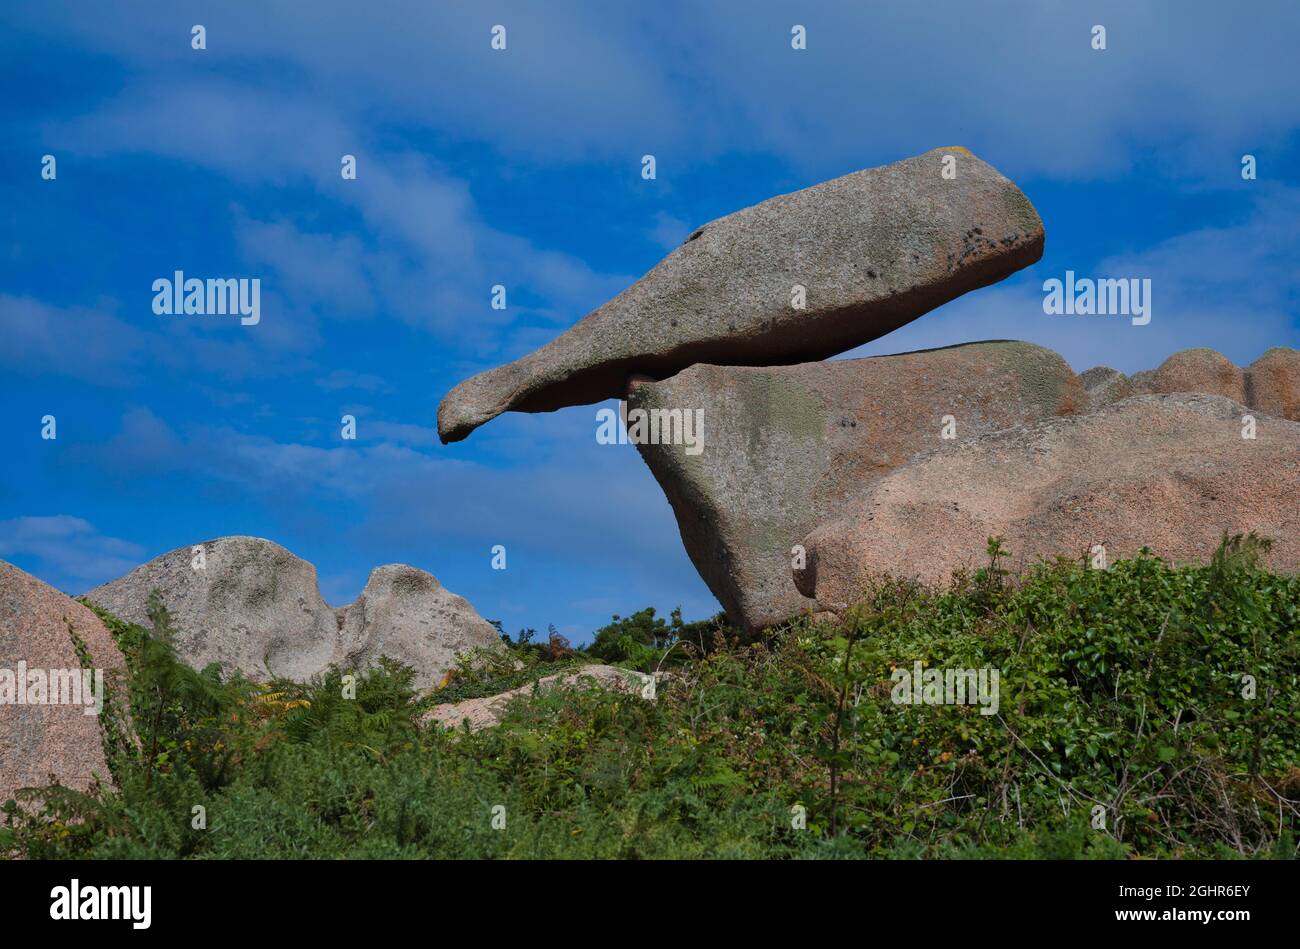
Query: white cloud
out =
(68, 552)
(96, 344)
(418, 249)
(668, 231)
(86, 343)
(1017, 81)
(350, 379)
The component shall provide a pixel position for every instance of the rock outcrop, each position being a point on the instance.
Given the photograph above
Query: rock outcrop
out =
(1104, 386)
(252, 606)
(785, 448)
(395, 616)
(1168, 472)
(41, 631)
(488, 711)
(1271, 384)
(243, 602)
(872, 250)
(784, 451)
(1193, 370)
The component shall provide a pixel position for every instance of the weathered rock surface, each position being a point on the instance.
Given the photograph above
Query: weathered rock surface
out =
(488, 711)
(1193, 370)
(874, 249)
(255, 607)
(1170, 472)
(37, 626)
(1104, 386)
(785, 448)
(1271, 384)
(251, 606)
(407, 615)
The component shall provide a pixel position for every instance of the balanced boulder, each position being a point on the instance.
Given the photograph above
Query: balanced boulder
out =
(54, 730)
(784, 449)
(407, 615)
(799, 277)
(1168, 472)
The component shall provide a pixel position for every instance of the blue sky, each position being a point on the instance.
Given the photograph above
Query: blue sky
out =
(522, 167)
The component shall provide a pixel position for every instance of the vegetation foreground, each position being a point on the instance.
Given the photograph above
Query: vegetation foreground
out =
(1144, 711)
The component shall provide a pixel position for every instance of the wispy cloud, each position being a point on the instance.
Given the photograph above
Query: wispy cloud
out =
(68, 550)
(416, 247)
(875, 81)
(565, 496)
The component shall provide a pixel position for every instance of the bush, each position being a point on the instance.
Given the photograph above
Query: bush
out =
(644, 641)
(1125, 726)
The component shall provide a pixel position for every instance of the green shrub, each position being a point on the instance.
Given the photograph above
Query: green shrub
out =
(1120, 689)
(644, 641)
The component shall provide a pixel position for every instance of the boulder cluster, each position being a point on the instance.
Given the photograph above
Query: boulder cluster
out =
(253, 607)
(244, 603)
(813, 475)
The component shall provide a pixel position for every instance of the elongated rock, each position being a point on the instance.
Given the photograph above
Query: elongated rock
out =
(488, 711)
(784, 448)
(872, 251)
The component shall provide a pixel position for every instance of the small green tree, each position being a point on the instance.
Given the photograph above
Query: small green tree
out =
(166, 694)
